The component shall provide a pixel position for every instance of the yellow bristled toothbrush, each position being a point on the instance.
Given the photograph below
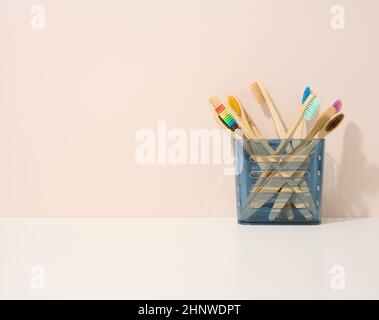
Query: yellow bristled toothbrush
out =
(237, 106)
(248, 121)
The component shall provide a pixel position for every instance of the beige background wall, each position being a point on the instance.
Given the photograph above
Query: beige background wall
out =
(73, 95)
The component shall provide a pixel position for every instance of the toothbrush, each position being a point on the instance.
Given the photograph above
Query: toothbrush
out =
(297, 135)
(237, 121)
(236, 105)
(232, 119)
(248, 121)
(299, 130)
(223, 114)
(229, 120)
(263, 97)
(229, 117)
(330, 126)
(309, 108)
(226, 121)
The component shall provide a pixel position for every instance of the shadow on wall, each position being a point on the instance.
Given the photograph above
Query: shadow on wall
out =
(346, 186)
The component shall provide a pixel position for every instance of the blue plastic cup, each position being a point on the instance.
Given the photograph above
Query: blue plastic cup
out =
(279, 181)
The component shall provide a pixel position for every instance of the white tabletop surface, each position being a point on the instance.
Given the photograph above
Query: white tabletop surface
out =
(209, 258)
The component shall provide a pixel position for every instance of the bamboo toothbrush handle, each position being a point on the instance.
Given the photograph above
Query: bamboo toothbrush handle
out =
(222, 126)
(283, 144)
(294, 127)
(266, 146)
(299, 131)
(255, 128)
(252, 124)
(279, 126)
(246, 126)
(291, 132)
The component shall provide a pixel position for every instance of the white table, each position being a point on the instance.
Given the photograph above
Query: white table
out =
(209, 258)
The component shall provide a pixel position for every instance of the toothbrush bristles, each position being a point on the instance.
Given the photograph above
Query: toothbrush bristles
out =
(311, 108)
(307, 93)
(257, 93)
(334, 122)
(337, 105)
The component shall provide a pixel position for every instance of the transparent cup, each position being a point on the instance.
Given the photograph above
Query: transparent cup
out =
(279, 181)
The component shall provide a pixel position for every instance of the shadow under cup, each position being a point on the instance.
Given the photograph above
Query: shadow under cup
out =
(279, 181)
